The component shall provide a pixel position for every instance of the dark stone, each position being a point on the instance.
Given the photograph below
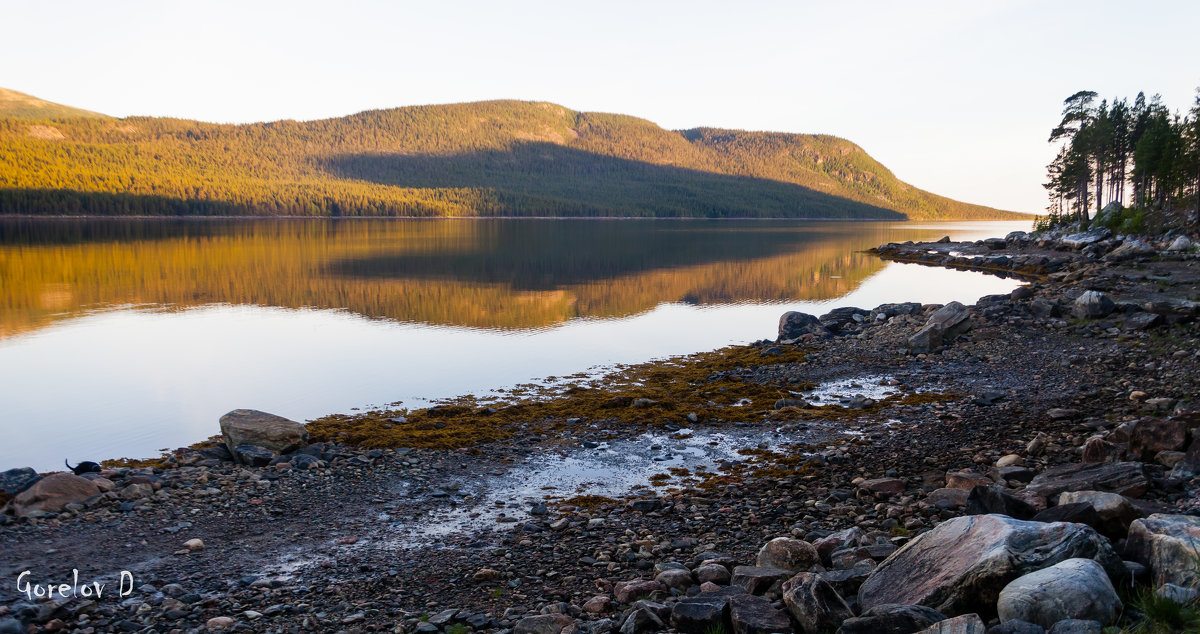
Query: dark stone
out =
(304, 461)
(755, 615)
(701, 614)
(847, 582)
(1100, 450)
(1077, 626)
(217, 452)
(758, 580)
(1143, 321)
(1152, 435)
(1078, 512)
(1127, 478)
(892, 618)
(1004, 474)
(988, 397)
(814, 603)
(839, 318)
(253, 456)
(1017, 626)
(645, 505)
(793, 325)
(993, 499)
(642, 620)
(16, 480)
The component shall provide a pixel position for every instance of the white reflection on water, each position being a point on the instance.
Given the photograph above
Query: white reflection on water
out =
(130, 382)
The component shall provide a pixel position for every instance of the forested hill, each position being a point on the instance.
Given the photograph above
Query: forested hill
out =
(497, 158)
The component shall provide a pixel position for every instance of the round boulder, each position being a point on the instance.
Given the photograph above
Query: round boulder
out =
(785, 553)
(1072, 589)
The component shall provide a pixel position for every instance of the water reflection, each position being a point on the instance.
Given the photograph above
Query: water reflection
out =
(477, 273)
(121, 338)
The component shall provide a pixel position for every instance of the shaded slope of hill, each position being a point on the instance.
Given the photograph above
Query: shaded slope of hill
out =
(495, 158)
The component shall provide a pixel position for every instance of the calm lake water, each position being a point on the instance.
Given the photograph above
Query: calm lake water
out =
(125, 337)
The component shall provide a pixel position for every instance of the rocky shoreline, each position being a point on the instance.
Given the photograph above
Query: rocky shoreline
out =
(1002, 458)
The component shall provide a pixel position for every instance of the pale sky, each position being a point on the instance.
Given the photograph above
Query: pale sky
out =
(955, 96)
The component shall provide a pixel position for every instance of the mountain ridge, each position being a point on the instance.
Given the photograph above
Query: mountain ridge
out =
(490, 158)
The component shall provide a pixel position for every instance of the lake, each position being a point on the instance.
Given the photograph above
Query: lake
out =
(121, 338)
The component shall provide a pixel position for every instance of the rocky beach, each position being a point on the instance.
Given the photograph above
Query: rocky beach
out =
(1024, 464)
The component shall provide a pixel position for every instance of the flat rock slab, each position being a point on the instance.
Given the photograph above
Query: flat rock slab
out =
(758, 579)
(891, 618)
(1127, 478)
(961, 565)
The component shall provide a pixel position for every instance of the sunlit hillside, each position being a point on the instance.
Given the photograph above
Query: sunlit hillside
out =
(498, 158)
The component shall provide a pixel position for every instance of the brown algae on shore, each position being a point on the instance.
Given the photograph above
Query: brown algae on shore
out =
(654, 393)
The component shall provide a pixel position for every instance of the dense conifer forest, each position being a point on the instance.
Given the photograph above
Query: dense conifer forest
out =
(1125, 164)
(497, 158)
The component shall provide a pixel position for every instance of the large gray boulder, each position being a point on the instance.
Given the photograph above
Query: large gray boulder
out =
(943, 326)
(1080, 240)
(1093, 304)
(1169, 545)
(814, 604)
(1072, 589)
(260, 429)
(52, 493)
(794, 324)
(961, 565)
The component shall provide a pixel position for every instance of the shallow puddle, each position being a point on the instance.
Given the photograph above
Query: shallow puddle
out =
(614, 469)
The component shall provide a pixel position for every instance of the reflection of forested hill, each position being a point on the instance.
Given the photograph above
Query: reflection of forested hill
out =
(313, 263)
(497, 158)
